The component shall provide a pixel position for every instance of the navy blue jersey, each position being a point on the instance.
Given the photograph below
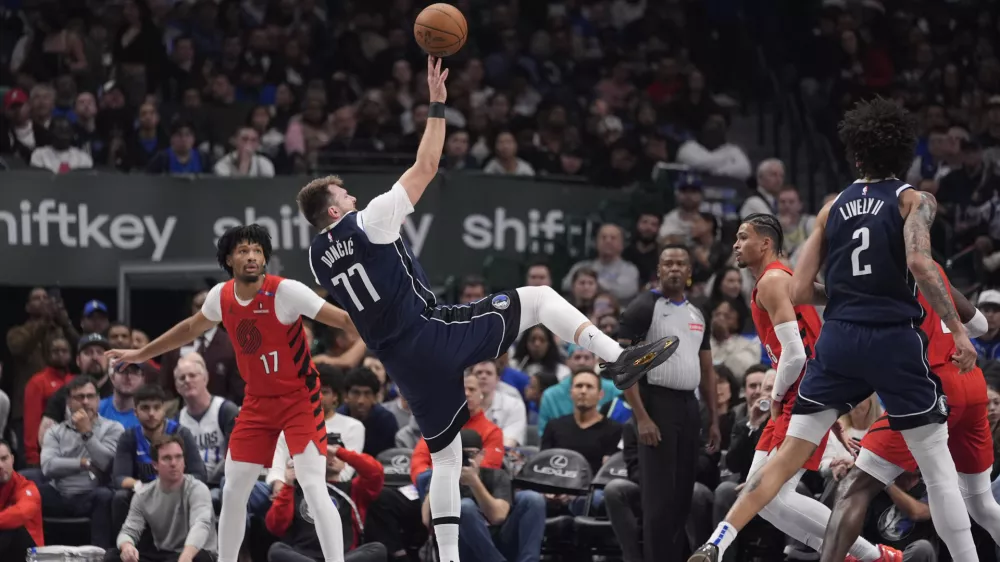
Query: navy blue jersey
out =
(867, 281)
(381, 286)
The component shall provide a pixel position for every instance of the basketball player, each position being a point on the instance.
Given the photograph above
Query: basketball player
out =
(360, 259)
(875, 240)
(263, 315)
(884, 455)
(789, 334)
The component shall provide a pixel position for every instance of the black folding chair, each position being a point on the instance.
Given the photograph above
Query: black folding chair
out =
(594, 533)
(556, 471)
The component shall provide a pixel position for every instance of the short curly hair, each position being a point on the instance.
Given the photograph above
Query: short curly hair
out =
(880, 137)
(251, 233)
(315, 198)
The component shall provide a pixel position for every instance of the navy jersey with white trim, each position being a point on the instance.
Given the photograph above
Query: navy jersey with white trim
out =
(867, 280)
(369, 271)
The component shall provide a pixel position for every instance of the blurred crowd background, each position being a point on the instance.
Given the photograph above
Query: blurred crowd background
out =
(660, 100)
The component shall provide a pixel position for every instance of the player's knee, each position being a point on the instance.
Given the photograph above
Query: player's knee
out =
(926, 438)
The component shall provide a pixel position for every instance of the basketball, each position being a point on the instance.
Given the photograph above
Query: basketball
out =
(440, 30)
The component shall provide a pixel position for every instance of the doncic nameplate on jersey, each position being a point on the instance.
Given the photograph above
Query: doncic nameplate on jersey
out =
(91, 224)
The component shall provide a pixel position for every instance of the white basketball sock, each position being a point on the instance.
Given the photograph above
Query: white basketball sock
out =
(310, 471)
(445, 500)
(929, 445)
(240, 479)
(542, 305)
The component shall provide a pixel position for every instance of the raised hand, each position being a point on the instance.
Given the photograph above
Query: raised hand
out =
(435, 80)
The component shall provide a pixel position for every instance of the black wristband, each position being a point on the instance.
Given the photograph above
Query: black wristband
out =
(436, 109)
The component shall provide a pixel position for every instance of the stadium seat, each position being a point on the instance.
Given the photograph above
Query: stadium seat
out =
(556, 471)
(594, 534)
(71, 531)
(396, 465)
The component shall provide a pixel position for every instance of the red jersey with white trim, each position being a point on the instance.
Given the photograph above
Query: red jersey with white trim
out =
(273, 358)
(960, 389)
(809, 327)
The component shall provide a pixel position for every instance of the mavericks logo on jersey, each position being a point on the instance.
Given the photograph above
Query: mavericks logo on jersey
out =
(942, 405)
(501, 302)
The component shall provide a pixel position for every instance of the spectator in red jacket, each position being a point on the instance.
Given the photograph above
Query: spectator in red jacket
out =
(40, 388)
(420, 464)
(20, 510)
(290, 519)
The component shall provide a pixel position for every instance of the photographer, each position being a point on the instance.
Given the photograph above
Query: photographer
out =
(290, 520)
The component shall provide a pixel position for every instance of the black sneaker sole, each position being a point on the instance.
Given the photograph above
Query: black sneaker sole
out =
(643, 359)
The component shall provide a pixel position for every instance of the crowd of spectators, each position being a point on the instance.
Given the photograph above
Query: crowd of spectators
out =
(941, 61)
(600, 90)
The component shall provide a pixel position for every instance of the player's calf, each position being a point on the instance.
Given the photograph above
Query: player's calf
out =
(760, 489)
(854, 494)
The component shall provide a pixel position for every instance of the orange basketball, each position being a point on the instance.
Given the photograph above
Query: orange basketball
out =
(440, 30)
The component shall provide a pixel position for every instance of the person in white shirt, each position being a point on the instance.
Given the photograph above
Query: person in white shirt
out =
(245, 161)
(209, 418)
(350, 430)
(712, 154)
(506, 411)
(61, 156)
(770, 181)
(614, 274)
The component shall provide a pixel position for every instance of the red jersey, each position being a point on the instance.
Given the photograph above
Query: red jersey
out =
(960, 389)
(809, 327)
(273, 358)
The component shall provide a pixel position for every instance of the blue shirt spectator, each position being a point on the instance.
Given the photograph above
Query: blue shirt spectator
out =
(127, 418)
(988, 344)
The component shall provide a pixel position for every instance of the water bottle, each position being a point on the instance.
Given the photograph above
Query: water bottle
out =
(764, 405)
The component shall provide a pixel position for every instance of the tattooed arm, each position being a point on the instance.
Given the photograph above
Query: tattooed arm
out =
(918, 209)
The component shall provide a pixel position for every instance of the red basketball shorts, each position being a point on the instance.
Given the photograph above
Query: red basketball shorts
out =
(969, 440)
(263, 418)
(774, 435)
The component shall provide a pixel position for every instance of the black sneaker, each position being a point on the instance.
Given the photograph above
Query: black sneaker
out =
(637, 360)
(707, 553)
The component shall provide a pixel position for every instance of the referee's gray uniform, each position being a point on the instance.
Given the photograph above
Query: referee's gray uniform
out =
(667, 471)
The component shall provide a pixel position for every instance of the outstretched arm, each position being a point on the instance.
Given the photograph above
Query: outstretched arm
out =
(183, 333)
(419, 176)
(811, 258)
(918, 209)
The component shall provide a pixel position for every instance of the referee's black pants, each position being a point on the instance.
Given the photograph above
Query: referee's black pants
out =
(667, 471)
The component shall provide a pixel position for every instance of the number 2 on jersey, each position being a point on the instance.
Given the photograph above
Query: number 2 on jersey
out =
(343, 279)
(856, 266)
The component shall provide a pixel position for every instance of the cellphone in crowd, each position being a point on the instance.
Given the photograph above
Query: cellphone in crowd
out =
(334, 439)
(466, 458)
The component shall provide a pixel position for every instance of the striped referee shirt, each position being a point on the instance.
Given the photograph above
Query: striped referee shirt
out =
(652, 316)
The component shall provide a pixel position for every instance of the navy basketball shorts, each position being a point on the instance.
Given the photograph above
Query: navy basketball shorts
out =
(854, 360)
(429, 363)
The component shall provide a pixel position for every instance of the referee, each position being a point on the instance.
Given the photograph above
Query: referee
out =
(665, 406)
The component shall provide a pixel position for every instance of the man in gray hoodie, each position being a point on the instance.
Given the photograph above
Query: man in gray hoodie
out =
(176, 508)
(76, 460)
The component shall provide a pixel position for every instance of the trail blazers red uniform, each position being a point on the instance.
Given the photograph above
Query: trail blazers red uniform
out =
(969, 437)
(282, 386)
(809, 327)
